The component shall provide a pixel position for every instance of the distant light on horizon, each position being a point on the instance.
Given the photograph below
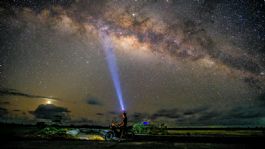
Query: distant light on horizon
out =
(48, 101)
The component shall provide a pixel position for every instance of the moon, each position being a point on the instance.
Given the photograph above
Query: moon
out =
(48, 102)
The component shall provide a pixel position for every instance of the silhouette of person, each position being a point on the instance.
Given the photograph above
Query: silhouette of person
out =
(122, 126)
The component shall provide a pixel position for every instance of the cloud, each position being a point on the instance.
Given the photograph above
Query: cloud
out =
(93, 101)
(16, 110)
(181, 115)
(13, 92)
(99, 114)
(4, 103)
(238, 115)
(198, 116)
(244, 113)
(208, 116)
(82, 121)
(248, 111)
(138, 116)
(51, 112)
(113, 112)
(3, 112)
(195, 110)
(168, 113)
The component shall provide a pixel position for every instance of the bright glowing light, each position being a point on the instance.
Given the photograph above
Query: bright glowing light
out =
(48, 102)
(112, 65)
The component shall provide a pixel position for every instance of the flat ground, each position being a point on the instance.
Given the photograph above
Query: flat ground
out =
(27, 137)
(62, 144)
(141, 142)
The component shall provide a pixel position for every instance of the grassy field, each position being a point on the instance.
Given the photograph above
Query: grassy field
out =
(216, 132)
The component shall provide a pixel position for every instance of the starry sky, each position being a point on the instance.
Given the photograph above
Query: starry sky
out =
(181, 62)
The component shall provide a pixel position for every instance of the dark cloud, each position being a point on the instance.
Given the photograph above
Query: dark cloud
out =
(195, 110)
(82, 121)
(99, 114)
(3, 112)
(4, 103)
(93, 101)
(13, 92)
(181, 114)
(243, 113)
(195, 116)
(16, 110)
(136, 117)
(168, 113)
(51, 112)
(208, 116)
(113, 112)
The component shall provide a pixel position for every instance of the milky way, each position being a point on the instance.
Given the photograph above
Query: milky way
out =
(185, 62)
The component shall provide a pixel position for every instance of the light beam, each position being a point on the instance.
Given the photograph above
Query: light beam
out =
(112, 65)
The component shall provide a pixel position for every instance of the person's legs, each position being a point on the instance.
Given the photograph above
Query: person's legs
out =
(123, 132)
(114, 129)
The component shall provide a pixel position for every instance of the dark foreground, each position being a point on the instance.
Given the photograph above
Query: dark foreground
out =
(77, 144)
(142, 142)
(27, 137)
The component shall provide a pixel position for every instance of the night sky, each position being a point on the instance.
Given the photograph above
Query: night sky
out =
(182, 62)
